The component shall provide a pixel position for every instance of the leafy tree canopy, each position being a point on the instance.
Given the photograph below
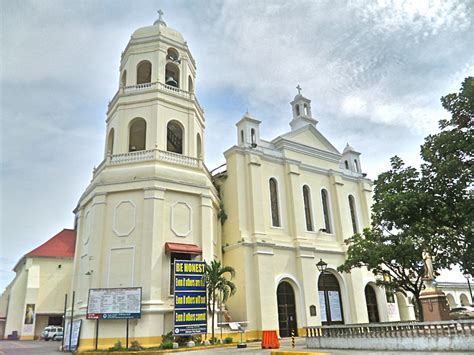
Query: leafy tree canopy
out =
(428, 209)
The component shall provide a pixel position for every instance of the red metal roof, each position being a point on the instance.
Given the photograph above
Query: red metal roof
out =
(62, 244)
(182, 248)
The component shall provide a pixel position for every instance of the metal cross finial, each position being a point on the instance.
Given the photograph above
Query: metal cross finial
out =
(299, 89)
(160, 14)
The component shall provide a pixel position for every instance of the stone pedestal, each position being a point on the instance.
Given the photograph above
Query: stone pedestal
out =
(433, 302)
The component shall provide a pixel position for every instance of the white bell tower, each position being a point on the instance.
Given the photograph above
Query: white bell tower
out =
(301, 107)
(151, 200)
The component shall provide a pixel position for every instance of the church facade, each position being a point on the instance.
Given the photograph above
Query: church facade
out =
(290, 203)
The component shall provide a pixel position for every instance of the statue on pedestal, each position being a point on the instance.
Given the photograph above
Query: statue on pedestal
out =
(428, 265)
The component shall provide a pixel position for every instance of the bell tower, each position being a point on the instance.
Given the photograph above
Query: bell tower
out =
(151, 200)
(301, 107)
(157, 68)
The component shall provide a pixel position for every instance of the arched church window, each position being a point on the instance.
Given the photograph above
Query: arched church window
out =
(137, 136)
(297, 108)
(306, 112)
(110, 142)
(172, 75)
(307, 208)
(371, 301)
(241, 135)
(356, 166)
(190, 84)
(198, 146)
(324, 199)
(123, 79)
(144, 72)
(174, 137)
(346, 164)
(172, 54)
(353, 214)
(274, 203)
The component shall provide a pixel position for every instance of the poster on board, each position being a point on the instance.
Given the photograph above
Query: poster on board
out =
(71, 342)
(190, 302)
(335, 306)
(322, 306)
(114, 303)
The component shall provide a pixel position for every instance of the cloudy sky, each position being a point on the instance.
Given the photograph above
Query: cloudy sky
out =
(375, 72)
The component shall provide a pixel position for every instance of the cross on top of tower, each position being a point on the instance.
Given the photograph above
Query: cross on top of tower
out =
(299, 89)
(160, 18)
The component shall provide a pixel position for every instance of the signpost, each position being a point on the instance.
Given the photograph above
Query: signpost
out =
(112, 304)
(190, 303)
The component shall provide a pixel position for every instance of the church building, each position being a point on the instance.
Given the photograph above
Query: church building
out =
(290, 203)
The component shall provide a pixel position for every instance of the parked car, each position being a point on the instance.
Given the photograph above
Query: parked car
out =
(52, 332)
(464, 312)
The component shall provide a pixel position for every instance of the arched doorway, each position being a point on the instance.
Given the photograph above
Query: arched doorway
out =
(286, 309)
(330, 300)
(371, 300)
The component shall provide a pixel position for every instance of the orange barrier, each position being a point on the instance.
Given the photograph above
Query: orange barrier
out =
(270, 340)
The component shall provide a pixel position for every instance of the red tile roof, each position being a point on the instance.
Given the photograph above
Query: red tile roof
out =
(62, 244)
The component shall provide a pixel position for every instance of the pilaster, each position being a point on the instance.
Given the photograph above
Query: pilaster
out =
(152, 244)
(257, 213)
(306, 271)
(207, 229)
(266, 297)
(97, 240)
(336, 206)
(295, 203)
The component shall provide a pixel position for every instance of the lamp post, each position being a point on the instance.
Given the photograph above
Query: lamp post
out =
(468, 276)
(321, 265)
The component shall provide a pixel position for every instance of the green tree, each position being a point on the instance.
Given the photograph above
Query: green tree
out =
(449, 172)
(430, 209)
(218, 286)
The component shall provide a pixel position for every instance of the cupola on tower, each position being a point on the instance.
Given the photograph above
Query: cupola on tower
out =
(151, 200)
(156, 67)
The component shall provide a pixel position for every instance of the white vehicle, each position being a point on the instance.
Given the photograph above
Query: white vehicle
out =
(51, 332)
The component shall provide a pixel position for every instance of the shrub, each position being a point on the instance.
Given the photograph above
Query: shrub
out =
(135, 346)
(117, 346)
(168, 344)
(228, 340)
(183, 339)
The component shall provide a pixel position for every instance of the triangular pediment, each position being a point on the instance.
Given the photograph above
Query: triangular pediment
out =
(308, 136)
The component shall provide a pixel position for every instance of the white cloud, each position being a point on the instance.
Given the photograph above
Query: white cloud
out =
(374, 71)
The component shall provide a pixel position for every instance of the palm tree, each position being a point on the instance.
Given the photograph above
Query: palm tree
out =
(218, 285)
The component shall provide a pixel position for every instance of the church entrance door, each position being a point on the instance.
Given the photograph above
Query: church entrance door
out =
(330, 300)
(372, 308)
(286, 309)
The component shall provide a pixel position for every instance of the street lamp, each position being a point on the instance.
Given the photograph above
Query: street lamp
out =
(468, 276)
(321, 265)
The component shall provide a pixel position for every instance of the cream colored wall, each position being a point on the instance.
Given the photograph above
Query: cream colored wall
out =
(55, 282)
(16, 306)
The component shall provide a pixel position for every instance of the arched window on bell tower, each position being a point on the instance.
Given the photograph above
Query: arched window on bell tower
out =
(110, 142)
(198, 146)
(123, 79)
(190, 84)
(172, 75)
(137, 135)
(144, 72)
(174, 137)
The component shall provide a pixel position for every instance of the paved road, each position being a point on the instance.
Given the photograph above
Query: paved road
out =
(52, 348)
(34, 347)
